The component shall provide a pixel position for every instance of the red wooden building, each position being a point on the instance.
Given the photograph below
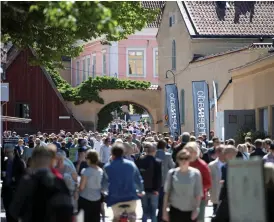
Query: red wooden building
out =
(33, 95)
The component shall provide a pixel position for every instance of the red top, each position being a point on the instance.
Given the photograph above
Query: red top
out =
(205, 172)
(56, 173)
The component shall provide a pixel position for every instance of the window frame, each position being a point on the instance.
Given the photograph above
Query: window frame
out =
(173, 55)
(144, 62)
(154, 62)
(17, 104)
(104, 64)
(93, 67)
(77, 82)
(83, 68)
(88, 68)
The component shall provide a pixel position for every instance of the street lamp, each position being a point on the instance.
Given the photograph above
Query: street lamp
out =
(172, 74)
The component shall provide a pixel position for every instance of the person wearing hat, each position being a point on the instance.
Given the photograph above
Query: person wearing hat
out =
(12, 171)
(269, 158)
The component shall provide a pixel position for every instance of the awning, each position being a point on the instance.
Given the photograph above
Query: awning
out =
(15, 119)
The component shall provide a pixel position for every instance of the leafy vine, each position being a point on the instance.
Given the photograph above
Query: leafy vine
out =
(89, 89)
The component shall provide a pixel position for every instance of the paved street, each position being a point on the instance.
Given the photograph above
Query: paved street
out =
(139, 214)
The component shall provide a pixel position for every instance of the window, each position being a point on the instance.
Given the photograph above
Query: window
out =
(104, 63)
(155, 62)
(173, 55)
(136, 62)
(182, 106)
(263, 120)
(93, 65)
(88, 65)
(171, 19)
(22, 110)
(84, 69)
(232, 119)
(77, 73)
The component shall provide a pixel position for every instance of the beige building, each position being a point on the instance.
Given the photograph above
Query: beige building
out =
(87, 113)
(252, 89)
(204, 41)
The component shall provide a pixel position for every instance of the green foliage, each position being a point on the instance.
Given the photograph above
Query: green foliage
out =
(138, 110)
(89, 90)
(105, 116)
(245, 132)
(53, 27)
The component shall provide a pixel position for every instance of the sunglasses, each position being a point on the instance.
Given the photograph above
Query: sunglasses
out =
(184, 158)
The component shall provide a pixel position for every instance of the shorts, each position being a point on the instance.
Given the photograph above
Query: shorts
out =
(117, 211)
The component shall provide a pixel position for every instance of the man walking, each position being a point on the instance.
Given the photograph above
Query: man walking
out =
(151, 171)
(124, 183)
(167, 164)
(216, 176)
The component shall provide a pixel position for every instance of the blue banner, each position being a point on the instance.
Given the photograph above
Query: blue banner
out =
(200, 108)
(173, 111)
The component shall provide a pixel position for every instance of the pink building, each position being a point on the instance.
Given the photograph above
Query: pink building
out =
(135, 58)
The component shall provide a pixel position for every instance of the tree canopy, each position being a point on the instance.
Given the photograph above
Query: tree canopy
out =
(53, 27)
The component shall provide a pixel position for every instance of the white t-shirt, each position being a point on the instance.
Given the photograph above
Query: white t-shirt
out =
(105, 154)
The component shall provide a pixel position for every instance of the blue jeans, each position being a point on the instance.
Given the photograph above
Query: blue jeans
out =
(149, 205)
(160, 204)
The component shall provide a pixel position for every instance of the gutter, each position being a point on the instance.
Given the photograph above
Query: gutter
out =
(229, 82)
(231, 36)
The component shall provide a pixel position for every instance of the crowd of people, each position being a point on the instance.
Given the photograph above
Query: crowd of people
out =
(174, 177)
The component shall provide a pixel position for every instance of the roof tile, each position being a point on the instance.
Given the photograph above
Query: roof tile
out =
(232, 18)
(154, 5)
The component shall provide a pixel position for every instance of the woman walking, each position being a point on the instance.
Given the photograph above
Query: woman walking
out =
(90, 188)
(183, 191)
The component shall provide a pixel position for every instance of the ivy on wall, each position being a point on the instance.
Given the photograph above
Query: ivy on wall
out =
(89, 89)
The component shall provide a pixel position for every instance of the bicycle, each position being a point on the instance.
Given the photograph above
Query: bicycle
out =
(125, 216)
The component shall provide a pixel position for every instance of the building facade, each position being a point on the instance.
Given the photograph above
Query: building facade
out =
(34, 96)
(251, 90)
(203, 41)
(134, 58)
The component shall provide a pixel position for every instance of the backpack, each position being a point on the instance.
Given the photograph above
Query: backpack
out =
(147, 174)
(51, 200)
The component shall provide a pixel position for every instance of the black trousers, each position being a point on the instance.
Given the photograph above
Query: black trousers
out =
(175, 215)
(215, 208)
(91, 209)
(7, 195)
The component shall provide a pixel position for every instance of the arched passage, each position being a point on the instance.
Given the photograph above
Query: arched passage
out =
(105, 115)
(149, 100)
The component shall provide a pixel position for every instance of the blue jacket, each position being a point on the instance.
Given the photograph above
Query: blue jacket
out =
(123, 180)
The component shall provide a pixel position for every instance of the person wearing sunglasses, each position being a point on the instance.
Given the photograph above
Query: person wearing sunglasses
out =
(183, 191)
(201, 165)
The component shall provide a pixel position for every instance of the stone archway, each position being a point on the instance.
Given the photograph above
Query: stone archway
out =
(149, 99)
(105, 116)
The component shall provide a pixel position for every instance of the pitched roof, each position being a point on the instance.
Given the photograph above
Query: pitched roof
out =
(261, 45)
(198, 58)
(154, 5)
(14, 52)
(231, 19)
